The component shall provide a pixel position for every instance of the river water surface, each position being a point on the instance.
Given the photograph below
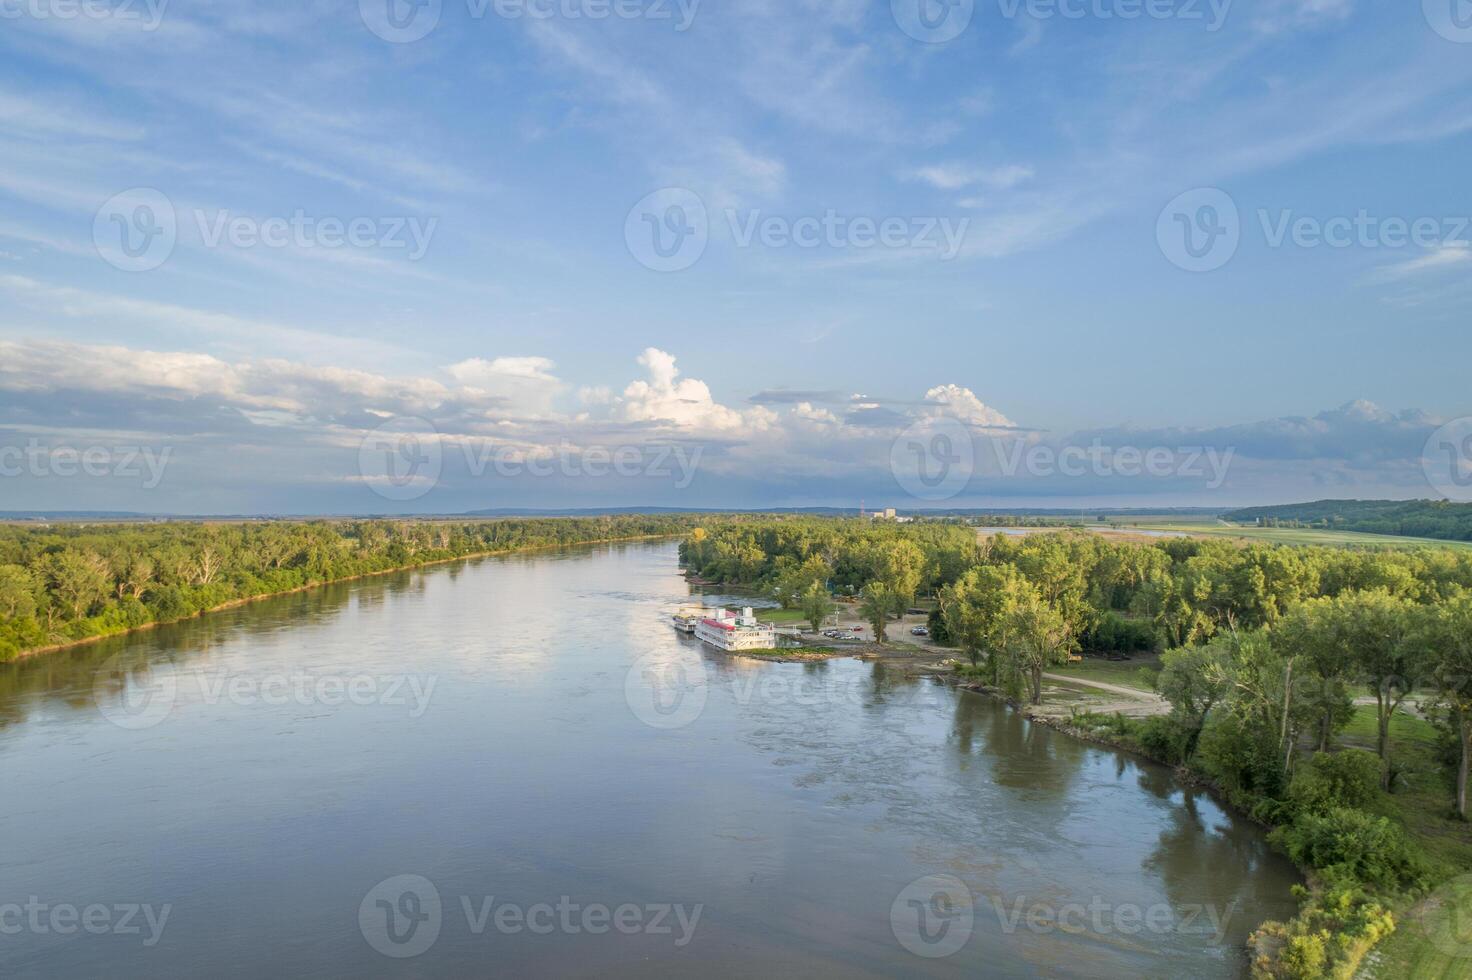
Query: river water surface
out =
(516, 767)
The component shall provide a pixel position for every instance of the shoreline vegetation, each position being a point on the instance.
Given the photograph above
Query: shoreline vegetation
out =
(71, 585)
(1324, 692)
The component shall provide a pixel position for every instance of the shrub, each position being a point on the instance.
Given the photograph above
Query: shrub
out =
(1336, 779)
(939, 632)
(1163, 739)
(1355, 845)
(1115, 634)
(169, 603)
(1243, 761)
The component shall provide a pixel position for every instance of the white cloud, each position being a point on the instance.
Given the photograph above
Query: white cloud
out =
(955, 176)
(479, 371)
(665, 397)
(1444, 257)
(962, 403)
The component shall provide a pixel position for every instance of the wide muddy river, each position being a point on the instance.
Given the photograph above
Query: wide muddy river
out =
(516, 767)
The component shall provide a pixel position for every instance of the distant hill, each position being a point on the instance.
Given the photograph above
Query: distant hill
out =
(1439, 519)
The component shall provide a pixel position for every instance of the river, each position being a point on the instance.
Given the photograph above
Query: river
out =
(516, 767)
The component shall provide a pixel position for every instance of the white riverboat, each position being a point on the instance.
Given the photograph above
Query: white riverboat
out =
(687, 617)
(725, 630)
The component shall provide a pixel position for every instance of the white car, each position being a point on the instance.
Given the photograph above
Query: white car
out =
(919, 631)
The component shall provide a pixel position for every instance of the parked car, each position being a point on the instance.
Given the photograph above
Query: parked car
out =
(919, 631)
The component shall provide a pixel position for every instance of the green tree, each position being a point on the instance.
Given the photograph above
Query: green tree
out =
(1194, 680)
(1038, 637)
(1444, 632)
(875, 607)
(1374, 629)
(1314, 631)
(18, 589)
(975, 609)
(817, 606)
(79, 579)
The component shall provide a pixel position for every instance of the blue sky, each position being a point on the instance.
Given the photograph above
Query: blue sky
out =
(495, 299)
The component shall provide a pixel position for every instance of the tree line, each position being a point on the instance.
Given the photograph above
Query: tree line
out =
(65, 583)
(1440, 519)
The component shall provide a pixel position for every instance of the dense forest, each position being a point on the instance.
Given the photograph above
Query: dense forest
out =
(65, 583)
(1440, 519)
(1265, 650)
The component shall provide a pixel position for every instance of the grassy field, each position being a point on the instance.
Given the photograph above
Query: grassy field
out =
(1124, 673)
(1291, 535)
(1433, 941)
(781, 617)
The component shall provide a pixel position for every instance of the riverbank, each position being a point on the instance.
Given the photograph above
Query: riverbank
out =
(1418, 934)
(237, 603)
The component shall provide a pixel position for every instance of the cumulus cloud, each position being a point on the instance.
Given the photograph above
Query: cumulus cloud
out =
(666, 397)
(245, 427)
(962, 404)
